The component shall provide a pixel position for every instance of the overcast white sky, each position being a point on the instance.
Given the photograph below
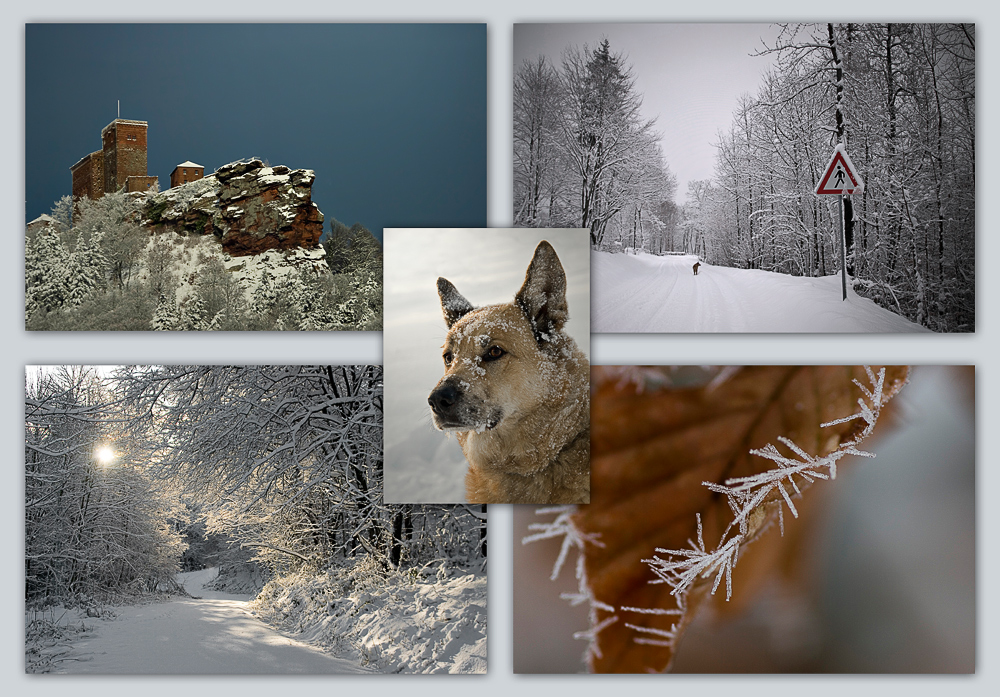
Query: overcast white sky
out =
(690, 77)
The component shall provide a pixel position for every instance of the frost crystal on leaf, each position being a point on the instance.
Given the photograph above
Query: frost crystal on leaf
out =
(681, 569)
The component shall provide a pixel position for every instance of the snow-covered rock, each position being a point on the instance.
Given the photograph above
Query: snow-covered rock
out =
(250, 207)
(276, 262)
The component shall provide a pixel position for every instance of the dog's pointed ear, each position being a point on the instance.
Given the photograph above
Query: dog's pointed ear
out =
(543, 295)
(453, 304)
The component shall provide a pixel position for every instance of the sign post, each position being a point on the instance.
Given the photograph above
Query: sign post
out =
(840, 179)
(842, 238)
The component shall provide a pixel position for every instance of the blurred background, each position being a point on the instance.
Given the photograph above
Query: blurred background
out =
(887, 584)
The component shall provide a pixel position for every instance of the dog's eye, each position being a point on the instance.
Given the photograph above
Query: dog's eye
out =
(493, 353)
(447, 357)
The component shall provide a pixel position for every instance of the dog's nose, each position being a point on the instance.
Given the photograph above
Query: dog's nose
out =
(443, 398)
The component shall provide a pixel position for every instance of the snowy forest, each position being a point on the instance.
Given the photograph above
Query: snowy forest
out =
(900, 97)
(583, 154)
(272, 475)
(95, 267)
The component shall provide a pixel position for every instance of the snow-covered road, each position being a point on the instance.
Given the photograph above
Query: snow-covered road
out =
(213, 634)
(645, 293)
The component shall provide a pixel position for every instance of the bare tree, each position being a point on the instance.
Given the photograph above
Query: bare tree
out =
(286, 460)
(96, 524)
(901, 97)
(584, 155)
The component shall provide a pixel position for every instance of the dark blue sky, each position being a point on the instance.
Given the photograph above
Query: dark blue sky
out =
(392, 117)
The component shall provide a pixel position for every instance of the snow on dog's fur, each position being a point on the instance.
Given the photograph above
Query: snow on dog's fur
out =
(516, 390)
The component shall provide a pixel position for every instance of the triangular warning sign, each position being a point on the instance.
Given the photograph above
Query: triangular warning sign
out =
(841, 177)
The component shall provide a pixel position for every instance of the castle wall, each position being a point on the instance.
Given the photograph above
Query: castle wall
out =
(140, 183)
(88, 176)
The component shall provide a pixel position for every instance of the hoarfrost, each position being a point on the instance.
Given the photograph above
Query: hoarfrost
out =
(682, 568)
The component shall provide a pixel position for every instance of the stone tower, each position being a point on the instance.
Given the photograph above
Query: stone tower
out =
(124, 147)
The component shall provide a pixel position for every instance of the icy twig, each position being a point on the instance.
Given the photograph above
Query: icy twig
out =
(682, 568)
(660, 637)
(573, 539)
(563, 527)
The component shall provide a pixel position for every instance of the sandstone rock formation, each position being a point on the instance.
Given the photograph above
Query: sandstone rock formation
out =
(250, 207)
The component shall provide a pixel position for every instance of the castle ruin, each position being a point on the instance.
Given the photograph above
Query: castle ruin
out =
(120, 164)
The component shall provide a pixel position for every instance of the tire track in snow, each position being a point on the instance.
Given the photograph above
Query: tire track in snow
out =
(646, 293)
(627, 307)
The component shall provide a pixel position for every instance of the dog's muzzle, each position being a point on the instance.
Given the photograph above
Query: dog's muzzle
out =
(454, 409)
(443, 399)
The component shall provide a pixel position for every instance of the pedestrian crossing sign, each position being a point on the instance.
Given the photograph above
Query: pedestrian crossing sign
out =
(841, 177)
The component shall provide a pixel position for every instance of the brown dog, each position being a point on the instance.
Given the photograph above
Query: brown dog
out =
(695, 267)
(516, 389)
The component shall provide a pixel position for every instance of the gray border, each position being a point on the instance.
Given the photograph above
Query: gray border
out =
(981, 349)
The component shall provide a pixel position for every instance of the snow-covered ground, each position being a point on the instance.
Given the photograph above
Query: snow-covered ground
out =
(646, 293)
(211, 633)
(189, 254)
(427, 460)
(406, 623)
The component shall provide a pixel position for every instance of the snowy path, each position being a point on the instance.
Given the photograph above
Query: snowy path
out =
(645, 293)
(211, 635)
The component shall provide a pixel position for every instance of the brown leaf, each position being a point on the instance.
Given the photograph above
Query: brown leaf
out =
(651, 450)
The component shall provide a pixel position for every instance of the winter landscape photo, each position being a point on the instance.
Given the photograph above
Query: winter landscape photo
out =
(238, 177)
(761, 519)
(424, 361)
(703, 159)
(230, 520)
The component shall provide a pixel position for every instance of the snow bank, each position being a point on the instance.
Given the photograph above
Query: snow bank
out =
(414, 621)
(49, 635)
(234, 579)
